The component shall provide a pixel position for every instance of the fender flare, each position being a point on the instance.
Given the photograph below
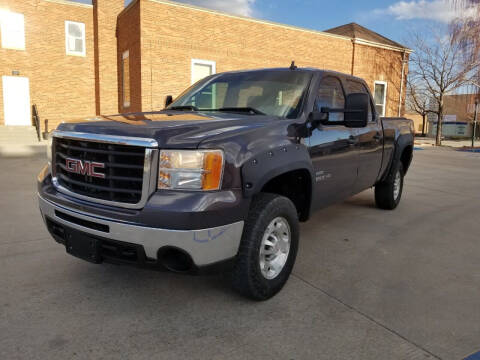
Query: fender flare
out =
(400, 144)
(268, 164)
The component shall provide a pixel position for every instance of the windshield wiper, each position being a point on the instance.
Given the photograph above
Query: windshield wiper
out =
(184, 107)
(242, 109)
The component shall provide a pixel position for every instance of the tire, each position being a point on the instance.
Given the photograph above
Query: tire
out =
(389, 192)
(256, 275)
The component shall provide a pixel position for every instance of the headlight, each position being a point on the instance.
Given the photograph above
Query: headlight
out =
(190, 169)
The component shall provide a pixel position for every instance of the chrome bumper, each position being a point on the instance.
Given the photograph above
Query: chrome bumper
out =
(205, 246)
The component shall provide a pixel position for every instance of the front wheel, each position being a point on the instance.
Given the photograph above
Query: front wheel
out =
(268, 247)
(389, 192)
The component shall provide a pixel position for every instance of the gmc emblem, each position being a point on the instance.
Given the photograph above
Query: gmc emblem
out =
(86, 167)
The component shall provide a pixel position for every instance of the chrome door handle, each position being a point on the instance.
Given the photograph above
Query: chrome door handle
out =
(377, 136)
(352, 140)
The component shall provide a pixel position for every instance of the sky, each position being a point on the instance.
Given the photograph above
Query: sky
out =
(393, 19)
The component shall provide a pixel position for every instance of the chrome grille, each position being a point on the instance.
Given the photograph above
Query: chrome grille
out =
(124, 178)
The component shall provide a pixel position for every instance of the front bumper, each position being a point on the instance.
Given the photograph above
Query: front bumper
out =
(205, 247)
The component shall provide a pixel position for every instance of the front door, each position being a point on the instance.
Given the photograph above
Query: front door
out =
(16, 100)
(332, 148)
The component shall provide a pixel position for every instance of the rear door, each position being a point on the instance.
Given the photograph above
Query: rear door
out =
(332, 148)
(369, 142)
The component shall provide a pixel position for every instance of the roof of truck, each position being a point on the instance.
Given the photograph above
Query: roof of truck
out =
(303, 69)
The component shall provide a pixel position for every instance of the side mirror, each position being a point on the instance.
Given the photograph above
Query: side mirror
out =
(318, 117)
(356, 112)
(168, 100)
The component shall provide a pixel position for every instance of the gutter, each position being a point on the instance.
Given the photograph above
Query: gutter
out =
(382, 46)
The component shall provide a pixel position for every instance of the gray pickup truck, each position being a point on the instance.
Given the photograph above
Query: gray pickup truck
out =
(220, 179)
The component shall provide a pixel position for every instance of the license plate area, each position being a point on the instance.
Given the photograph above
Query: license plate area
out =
(83, 246)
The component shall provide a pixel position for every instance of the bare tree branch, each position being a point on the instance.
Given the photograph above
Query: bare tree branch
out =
(440, 64)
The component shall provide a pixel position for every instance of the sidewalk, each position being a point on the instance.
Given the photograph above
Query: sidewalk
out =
(420, 141)
(21, 150)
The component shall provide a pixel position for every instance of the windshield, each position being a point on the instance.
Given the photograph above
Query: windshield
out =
(274, 93)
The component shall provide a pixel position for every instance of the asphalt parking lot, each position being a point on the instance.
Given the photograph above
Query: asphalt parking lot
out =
(368, 284)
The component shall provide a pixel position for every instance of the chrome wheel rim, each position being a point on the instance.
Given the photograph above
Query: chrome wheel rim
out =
(396, 185)
(275, 248)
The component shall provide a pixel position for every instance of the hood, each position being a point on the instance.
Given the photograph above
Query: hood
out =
(171, 129)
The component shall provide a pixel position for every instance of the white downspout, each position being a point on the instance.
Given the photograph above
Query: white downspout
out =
(401, 85)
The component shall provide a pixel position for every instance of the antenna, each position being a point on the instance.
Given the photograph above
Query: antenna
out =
(293, 66)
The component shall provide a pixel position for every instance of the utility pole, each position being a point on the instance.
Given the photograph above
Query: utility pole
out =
(474, 123)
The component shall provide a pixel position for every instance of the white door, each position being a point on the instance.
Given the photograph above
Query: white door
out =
(201, 69)
(16, 100)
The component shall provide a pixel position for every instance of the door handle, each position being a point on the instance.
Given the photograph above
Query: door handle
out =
(352, 140)
(377, 136)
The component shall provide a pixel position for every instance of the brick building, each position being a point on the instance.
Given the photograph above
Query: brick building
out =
(74, 60)
(458, 117)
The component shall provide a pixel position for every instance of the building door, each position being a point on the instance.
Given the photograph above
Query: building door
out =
(16, 100)
(201, 69)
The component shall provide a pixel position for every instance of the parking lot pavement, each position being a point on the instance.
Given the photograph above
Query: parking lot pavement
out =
(368, 284)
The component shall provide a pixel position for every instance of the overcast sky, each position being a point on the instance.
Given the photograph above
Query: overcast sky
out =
(393, 19)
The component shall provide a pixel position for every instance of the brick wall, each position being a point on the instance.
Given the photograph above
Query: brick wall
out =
(128, 37)
(62, 86)
(105, 22)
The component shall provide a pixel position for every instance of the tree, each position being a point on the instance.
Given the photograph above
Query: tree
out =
(418, 101)
(466, 30)
(440, 65)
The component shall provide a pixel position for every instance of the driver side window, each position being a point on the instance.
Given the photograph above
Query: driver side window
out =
(330, 94)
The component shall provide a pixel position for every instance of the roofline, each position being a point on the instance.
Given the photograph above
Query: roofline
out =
(70, 3)
(383, 46)
(133, 2)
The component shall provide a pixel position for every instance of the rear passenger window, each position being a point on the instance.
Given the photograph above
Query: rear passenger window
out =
(330, 94)
(358, 87)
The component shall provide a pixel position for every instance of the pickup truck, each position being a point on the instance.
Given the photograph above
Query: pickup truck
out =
(220, 179)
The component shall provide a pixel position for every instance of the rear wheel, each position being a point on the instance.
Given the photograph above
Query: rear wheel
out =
(268, 248)
(389, 192)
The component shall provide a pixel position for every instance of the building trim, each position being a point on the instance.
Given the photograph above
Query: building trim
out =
(382, 46)
(70, 3)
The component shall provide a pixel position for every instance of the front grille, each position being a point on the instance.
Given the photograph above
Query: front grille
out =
(121, 178)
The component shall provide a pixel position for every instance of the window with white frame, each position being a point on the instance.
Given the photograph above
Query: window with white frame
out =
(126, 79)
(380, 97)
(201, 69)
(75, 38)
(12, 26)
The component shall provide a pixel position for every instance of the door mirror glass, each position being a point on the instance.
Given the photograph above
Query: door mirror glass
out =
(168, 100)
(356, 110)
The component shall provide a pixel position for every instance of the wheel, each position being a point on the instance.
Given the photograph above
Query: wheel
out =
(389, 192)
(268, 247)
